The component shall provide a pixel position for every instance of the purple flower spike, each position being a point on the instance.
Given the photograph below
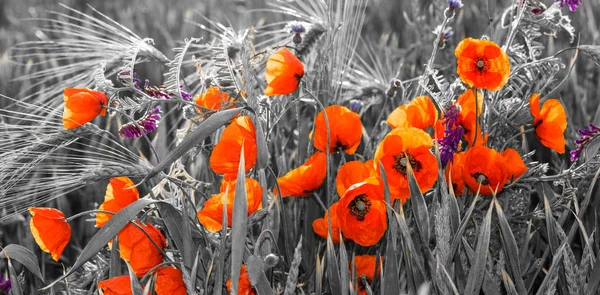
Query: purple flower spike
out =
(573, 4)
(452, 134)
(4, 285)
(587, 135)
(147, 124)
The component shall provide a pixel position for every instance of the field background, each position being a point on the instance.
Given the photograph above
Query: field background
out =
(403, 27)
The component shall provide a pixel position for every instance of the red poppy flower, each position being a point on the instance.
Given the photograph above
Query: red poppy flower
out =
(345, 130)
(225, 157)
(482, 64)
(365, 266)
(454, 173)
(351, 173)
(137, 249)
(419, 113)
(244, 285)
(320, 225)
(50, 230)
(393, 151)
(305, 179)
(120, 285)
(362, 212)
(486, 167)
(169, 281)
(211, 215)
(550, 122)
(119, 193)
(516, 166)
(283, 73)
(82, 105)
(213, 99)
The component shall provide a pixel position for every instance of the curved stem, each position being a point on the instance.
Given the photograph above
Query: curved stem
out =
(88, 212)
(515, 136)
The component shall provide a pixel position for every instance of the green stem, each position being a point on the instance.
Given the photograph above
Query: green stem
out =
(88, 212)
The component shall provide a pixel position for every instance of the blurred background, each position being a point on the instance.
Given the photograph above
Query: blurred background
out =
(403, 28)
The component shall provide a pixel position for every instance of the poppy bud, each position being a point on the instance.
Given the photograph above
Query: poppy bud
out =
(82, 105)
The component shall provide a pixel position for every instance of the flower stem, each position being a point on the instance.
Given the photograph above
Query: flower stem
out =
(88, 212)
(515, 136)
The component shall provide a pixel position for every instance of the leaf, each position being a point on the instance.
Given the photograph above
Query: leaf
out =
(344, 271)
(23, 256)
(238, 227)
(14, 279)
(173, 221)
(510, 248)
(420, 212)
(461, 230)
(478, 269)
(105, 234)
(136, 288)
(202, 131)
(549, 281)
(333, 270)
(115, 259)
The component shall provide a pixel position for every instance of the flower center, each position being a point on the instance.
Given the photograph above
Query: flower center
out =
(482, 64)
(400, 163)
(360, 206)
(481, 178)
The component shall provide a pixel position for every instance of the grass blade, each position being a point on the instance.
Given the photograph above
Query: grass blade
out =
(478, 269)
(510, 248)
(239, 224)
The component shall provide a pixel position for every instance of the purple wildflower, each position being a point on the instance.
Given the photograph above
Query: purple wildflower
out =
(355, 105)
(573, 4)
(587, 135)
(454, 4)
(452, 134)
(297, 27)
(148, 123)
(4, 285)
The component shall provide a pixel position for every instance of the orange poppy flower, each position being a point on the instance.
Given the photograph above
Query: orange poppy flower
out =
(303, 180)
(345, 130)
(50, 230)
(225, 157)
(516, 166)
(419, 113)
(120, 285)
(82, 105)
(398, 145)
(283, 73)
(365, 266)
(454, 173)
(169, 281)
(211, 215)
(119, 193)
(550, 123)
(351, 173)
(362, 212)
(482, 64)
(213, 99)
(320, 224)
(138, 250)
(244, 285)
(486, 167)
